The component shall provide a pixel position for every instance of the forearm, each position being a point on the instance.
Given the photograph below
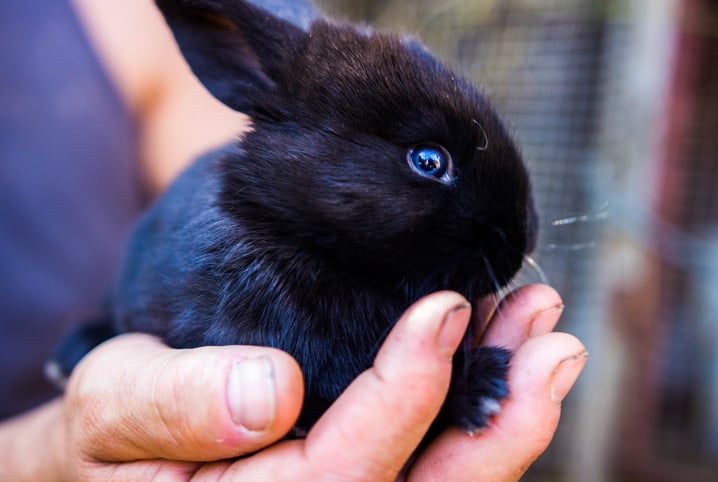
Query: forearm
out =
(31, 445)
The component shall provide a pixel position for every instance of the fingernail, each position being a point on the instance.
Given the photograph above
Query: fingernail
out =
(565, 375)
(544, 321)
(251, 393)
(453, 328)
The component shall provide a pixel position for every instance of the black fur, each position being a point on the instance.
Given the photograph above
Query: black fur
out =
(313, 234)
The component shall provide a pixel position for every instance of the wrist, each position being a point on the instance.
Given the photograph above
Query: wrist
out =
(32, 445)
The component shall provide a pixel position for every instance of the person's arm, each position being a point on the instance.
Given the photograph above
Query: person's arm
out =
(177, 118)
(136, 408)
(31, 445)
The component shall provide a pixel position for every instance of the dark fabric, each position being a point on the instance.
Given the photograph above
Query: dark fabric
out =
(68, 189)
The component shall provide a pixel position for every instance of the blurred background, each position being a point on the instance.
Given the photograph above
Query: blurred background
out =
(615, 105)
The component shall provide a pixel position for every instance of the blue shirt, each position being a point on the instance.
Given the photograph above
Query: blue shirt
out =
(69, 189)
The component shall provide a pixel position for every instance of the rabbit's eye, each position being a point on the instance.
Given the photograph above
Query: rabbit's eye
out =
(430, 160)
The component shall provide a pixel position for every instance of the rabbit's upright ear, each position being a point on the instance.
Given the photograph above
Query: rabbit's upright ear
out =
(239, 51)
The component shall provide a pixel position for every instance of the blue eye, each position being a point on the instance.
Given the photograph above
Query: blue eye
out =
(429, 160)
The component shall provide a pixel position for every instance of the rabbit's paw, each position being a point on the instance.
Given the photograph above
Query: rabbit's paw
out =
(478, 385)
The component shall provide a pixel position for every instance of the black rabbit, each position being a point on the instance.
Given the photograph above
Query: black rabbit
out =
(373, 175)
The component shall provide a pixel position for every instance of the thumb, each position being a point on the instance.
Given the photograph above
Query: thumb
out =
(134, 398)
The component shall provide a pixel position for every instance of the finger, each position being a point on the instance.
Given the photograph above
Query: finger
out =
(140, 470)
(135, 398)
(543, 370)
(376, 424)
(528, 311)
(390, 407)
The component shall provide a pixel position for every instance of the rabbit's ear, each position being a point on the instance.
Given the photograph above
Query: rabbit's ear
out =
(239, 51)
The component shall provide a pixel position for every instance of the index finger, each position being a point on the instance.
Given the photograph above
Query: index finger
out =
(391, 406)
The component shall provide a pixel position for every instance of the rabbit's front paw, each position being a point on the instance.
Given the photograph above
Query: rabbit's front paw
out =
(478, 385)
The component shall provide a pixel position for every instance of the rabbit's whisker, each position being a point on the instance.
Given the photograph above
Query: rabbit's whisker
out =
(569, 247)
(535, 266)
(500, 232)
(491, 274)
(601, 213)
(486, 138)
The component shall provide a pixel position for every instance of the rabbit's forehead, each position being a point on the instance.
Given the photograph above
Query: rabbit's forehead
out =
(356, 65)
(390, 85)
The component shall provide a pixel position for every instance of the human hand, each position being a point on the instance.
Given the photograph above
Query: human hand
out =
(137, 410)
(376, 425)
